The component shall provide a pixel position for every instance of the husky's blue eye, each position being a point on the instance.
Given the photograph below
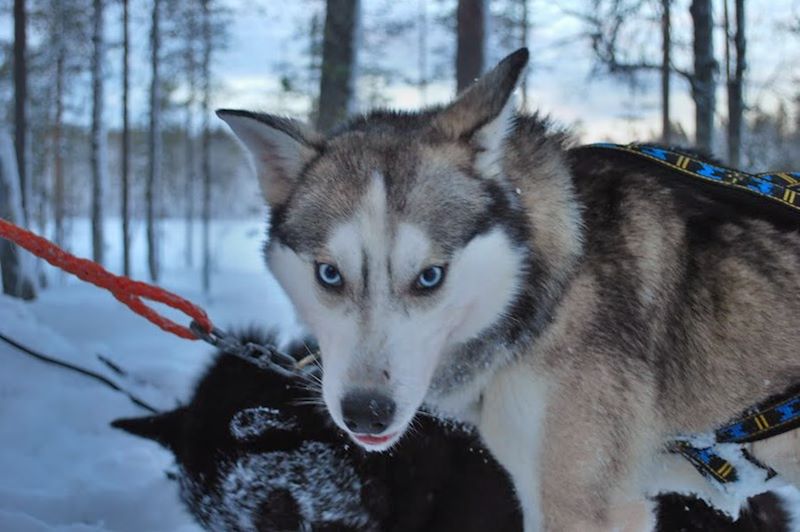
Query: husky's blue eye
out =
(328, 275)
(430, 278)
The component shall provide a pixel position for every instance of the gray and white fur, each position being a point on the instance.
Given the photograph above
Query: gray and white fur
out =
(587, 310)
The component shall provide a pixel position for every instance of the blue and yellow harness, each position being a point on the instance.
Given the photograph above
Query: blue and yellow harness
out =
(780, 187)
(774, 416)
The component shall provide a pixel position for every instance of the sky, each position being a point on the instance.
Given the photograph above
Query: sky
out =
(268, 32)
(560, 77)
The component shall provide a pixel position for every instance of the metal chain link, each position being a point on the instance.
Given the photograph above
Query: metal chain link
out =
(266, 357)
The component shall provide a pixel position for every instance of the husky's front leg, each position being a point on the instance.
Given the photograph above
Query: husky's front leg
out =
(597, 437)
(511, 423)
(566, 446)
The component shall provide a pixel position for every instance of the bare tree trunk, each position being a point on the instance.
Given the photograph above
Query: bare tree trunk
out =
(666, 70)
(705, 65)
(59, 208)
(206, 155)
(524, 27)
(315, 61)
(471, 36)
(21, 100)
(339, 49)
(125, 188)
(422, 49)
(189, 188)
(98, 143)
(16, 282)
(735, 89)
(189, 143)
(154, 143)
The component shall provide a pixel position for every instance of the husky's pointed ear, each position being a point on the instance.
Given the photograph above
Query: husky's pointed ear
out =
(280, 148)
(485, 110)
(163, 428)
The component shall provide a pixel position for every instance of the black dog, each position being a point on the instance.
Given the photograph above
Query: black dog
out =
(256, 451)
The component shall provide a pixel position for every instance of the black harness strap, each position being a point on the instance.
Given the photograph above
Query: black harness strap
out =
(775, 416)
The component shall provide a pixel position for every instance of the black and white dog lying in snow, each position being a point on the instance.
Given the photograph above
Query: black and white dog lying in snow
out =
(256, 452)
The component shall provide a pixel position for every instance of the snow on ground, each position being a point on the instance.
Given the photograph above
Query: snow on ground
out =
(61, 466)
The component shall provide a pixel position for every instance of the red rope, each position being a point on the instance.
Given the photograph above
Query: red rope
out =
(126, 290)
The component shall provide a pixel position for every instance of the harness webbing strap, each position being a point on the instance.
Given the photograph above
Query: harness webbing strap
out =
(781, 187)
(775, 416)
(706, 461)
(763, 422)
(712, 465)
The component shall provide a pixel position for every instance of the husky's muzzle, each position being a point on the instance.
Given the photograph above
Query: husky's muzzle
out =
(367, 414)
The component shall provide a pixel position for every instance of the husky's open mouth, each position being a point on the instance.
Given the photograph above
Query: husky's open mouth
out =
(381, 441)
(369, 439)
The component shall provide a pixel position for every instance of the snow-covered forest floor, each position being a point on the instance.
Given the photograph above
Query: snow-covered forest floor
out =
(62, 467)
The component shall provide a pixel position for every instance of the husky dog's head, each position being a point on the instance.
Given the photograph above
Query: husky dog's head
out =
(397, 238)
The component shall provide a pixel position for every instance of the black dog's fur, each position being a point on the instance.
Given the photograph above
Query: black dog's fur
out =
(439, 478)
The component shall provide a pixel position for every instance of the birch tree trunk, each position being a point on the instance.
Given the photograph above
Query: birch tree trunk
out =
(338, 62)
(154, 143)
(98, 142)
(471, 41)
(703, 83)
(16, 281)
(125, 162)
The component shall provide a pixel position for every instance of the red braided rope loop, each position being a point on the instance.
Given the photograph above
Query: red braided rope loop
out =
(126, 290)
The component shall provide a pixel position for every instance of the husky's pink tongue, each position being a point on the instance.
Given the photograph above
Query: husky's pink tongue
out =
(373, 440)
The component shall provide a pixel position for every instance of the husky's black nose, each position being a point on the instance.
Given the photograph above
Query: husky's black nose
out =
(367, 412)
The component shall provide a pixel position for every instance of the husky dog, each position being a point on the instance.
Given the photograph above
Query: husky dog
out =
(580, 309)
